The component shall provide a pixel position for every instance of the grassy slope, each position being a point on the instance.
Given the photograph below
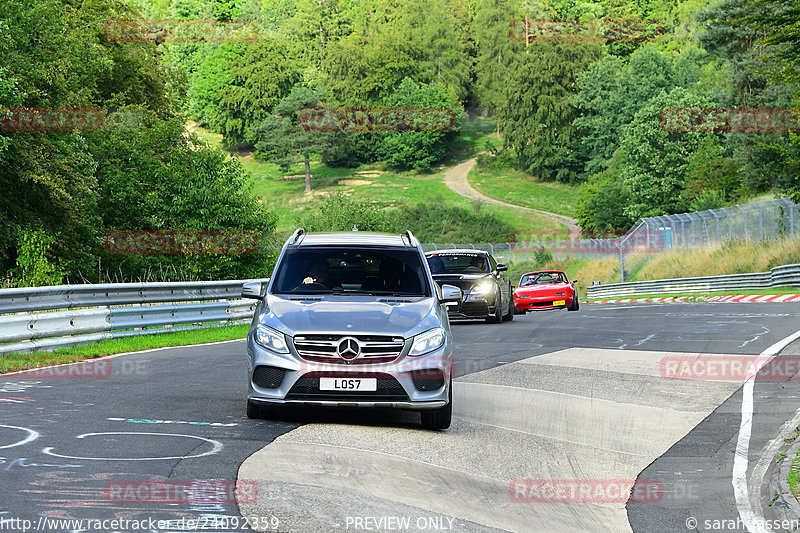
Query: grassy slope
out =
(288, 201)
(519, 188)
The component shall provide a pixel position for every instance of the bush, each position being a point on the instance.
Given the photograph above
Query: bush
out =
(340, 213)
(34, 269)
(419, 149)
(438, 222)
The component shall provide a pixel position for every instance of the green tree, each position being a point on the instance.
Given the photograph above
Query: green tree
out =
(654, 163)
(601, 203)
(155, 176)
(34, 268)
(537, 113)
(283, 140)
(420, 149)
(612, 90)
(495, 51)
(250, 80)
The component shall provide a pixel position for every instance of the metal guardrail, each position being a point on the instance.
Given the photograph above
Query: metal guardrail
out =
(782, 276)
(45, 318)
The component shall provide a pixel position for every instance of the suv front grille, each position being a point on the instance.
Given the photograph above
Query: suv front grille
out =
(373, 348)
(307, 388)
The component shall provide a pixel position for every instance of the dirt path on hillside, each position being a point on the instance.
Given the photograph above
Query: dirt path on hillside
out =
(456, 179)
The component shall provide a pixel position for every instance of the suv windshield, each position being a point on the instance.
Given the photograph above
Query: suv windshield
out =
(329, 270)
(450, 263)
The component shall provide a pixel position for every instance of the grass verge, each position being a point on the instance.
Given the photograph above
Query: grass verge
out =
(14, 362)
(794, 476)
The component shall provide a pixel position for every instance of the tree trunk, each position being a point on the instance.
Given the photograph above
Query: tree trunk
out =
(308, 174)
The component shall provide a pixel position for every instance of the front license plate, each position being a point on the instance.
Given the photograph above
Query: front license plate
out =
(359, 384)
(560, 302)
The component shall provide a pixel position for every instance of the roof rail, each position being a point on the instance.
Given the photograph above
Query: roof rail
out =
(299, 232)
(410, 237)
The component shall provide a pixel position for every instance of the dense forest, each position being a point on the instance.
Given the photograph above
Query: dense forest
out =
(578, 111)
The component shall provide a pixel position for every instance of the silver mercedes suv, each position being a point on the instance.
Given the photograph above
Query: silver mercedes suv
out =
(352, 319)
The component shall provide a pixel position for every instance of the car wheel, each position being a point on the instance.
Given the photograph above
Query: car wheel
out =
(498, 311)
(509, 316)
(254, 410)
(575, 304)
(442, 417)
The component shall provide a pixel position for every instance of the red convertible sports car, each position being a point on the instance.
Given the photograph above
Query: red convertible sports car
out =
(546, 289)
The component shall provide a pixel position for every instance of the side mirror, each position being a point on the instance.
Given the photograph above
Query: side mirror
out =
(451, 293)
(252, 289)
(501, 267)
(574, 281)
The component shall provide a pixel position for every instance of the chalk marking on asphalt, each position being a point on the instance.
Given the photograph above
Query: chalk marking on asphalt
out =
(745, 343)
(155, 421)
(739, 479)
(648, 338)
(32, 436)
(217, 447)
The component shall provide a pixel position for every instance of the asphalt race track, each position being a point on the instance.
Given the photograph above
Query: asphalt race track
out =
(552, 397)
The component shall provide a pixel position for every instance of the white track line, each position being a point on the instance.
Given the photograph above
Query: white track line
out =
(754, 524)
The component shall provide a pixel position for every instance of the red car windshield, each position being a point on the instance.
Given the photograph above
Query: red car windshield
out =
(542, 278)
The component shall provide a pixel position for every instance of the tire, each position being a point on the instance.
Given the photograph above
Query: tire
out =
(254, 411)
(575, 304)
(440, 418)
(497, 317)
(508, 317)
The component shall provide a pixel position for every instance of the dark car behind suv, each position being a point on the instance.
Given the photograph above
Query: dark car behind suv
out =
(485, 286)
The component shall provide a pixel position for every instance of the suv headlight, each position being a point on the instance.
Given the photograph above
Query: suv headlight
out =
(427, 342)
(271, 339)
(483, 287)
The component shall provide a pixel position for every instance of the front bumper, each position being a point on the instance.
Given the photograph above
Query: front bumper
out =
(538, 303)
(472, 307)
(421, 406)
(416, 383)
